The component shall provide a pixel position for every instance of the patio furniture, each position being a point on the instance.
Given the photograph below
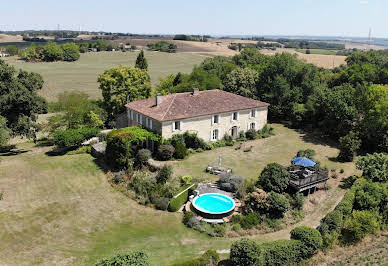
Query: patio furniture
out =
(216, 170)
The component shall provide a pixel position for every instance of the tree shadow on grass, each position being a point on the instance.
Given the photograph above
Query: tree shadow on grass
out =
(11, 150)
(60, 151)
(102, 165)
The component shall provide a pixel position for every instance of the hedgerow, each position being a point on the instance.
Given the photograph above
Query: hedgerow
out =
(74, 137)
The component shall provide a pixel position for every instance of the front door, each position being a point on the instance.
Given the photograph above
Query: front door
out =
(234, 132)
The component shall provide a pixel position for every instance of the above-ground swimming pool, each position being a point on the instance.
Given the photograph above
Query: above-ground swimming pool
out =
(213, 203)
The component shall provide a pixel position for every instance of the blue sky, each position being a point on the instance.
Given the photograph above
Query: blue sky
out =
(216, 17)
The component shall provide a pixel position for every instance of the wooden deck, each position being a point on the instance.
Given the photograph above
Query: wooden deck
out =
(308, 182)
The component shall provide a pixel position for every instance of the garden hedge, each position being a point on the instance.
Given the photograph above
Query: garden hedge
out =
(74, 137)
(176, 203)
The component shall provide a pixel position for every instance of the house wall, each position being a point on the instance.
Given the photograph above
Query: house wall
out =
(156, 125)
(203, 125)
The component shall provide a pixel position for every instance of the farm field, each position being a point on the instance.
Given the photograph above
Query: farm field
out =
(318, 51)
(82, 74)
(60, 210)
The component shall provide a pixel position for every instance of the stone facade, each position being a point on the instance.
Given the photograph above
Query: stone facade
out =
(206, 126)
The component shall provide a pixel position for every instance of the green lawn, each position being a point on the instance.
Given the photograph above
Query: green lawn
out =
(60, 210)
(280, 148)
(318, 51)
(82, 74)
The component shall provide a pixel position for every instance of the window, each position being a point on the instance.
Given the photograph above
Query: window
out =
(216, 119)
(215, 134)
(149, 123)
(253, 113)
(177, 125)
(252, 126)
(139, 118)
(235, 116)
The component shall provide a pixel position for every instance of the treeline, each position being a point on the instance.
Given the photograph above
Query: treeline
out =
(162, 46)
(52, 51)
(259, 45)
(194, 38)
(348, 104)
(300, 43)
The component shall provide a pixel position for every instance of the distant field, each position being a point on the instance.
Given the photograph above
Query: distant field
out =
(318, 51)
(82, 74)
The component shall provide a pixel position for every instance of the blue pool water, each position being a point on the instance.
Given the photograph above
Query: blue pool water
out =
(213, 203)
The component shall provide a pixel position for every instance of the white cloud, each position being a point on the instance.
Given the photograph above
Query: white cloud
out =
(364, 2)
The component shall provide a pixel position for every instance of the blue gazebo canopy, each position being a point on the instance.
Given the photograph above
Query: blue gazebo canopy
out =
(303, 161)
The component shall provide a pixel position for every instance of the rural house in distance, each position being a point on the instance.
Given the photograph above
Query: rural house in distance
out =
(211, 114)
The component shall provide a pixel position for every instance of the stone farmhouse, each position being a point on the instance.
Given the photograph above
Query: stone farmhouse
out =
(211, 114)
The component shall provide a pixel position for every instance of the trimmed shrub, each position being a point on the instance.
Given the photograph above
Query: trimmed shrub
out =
(282, 252)
(180, 151)
(186, 179)
(192, 141)
(359, 225)
(165, 152)
(164, 174)
(73, 137)
(143, 156)
(245, 252)
(274, 177)
(346, 204)
(127, 259)
(249, 221)
(310, 237)
(278, 204)
(251, 134)
(176, 203)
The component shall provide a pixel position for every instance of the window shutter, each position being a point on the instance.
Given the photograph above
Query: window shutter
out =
(150, 123)
(219, 134)
(141, 119)
(211, 134)
(180, 125)
(212, 119)
(173, 125)
(238, 116)
(231, 117)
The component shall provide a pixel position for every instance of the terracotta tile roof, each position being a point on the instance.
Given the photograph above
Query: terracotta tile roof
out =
(185, 105)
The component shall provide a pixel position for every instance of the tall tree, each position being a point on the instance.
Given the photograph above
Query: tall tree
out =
(121, 84)
(19, 101)
(141, 61)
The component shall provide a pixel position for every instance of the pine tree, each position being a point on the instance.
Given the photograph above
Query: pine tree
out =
(141, 61)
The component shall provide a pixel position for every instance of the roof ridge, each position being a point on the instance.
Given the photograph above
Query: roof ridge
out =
(168, 109)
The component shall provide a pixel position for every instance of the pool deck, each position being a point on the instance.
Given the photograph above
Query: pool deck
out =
(204, 188)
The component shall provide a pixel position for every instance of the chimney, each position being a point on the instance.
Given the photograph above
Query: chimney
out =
(195, 91)
(159, 99)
